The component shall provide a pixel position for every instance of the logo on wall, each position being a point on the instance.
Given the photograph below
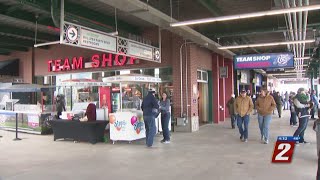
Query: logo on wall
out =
(137, 124)
(282, 60)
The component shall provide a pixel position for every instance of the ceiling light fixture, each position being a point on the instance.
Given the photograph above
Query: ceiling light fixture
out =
(303, 58)
(248, 15)
(266, 44)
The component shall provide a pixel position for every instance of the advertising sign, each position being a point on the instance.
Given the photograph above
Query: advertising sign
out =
(140, 51)
(97, 40)
(264, 61)
(224, 72)
(80, 36)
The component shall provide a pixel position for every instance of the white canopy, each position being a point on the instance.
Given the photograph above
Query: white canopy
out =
(131, 78)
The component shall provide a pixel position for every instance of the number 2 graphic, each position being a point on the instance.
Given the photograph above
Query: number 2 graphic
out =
(285, 147)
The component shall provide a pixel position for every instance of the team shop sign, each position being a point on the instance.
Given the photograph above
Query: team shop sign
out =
(264, 61)
(95, 61)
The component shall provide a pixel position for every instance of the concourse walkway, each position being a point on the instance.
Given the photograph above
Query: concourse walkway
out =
(213, 153)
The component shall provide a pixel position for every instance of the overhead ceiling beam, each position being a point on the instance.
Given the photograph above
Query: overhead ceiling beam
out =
(246, 16)
(18, 23)
(13, 48)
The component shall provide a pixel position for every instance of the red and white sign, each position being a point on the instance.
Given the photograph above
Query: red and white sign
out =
(283, 152)
(95, 61)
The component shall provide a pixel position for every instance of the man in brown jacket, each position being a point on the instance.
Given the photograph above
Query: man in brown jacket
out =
(265, 104)
(243, 108)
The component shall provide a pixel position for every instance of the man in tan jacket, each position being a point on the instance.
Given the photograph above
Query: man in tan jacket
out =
(243, 108)
(265, 105)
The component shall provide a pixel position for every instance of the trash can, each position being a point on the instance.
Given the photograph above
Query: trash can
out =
(316, 127)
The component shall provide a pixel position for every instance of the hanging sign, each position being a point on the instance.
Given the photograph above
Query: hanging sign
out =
(80, 36)
(263, 61)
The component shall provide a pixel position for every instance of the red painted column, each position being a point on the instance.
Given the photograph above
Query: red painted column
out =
(215, 85)
(229, 82)
(222, 91)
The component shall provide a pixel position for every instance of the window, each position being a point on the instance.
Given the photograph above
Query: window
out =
(202, 76)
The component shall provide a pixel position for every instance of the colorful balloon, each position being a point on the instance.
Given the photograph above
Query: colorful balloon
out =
(112, 119)
(134, 119)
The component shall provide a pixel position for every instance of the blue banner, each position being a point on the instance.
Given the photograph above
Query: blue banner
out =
(288, 138)
(264, 61)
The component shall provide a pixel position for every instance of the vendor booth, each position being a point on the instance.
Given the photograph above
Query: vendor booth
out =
(20, 114)
(78, 92)
(126, 119)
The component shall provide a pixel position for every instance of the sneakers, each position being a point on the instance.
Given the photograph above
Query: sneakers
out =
(241, 138)
(295, 126)
(266, 142)
(246, 140)
(305, 142)
(165, 141)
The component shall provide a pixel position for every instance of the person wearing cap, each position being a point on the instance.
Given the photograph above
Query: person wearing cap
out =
(302, 104)
(149, 107)
(265, 105)
(230, 105)
(243, 107)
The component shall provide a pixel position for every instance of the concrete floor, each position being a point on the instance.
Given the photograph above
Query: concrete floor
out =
(212, 153)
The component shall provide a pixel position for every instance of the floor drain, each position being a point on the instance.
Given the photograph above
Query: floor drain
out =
(240, 162)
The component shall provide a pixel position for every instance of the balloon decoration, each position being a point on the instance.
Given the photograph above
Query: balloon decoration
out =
(134, 119)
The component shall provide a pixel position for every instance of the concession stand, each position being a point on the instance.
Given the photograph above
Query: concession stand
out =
(21, 115)
(126, 120)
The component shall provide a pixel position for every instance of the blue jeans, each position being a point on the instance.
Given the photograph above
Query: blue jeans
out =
(293, 118)
(303, 124)
(233, 120)
(243, 120)
(165, 126)
(264, 122)
(150, 129)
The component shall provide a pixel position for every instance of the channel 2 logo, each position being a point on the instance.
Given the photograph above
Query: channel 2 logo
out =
(284, 149)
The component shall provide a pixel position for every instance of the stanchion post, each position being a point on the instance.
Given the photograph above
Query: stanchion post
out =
(16, 139)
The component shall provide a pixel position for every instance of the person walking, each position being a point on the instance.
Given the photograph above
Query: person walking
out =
(165, 117)
(315, 101)
(243, 107)
(230, 105)
(302, 106)
(150, 107)
(286, 101)
(278, 100)
(293, 114)
(265, 105)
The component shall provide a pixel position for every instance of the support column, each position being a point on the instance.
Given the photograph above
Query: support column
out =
(215, 84)
(222, 90)
(229, 82)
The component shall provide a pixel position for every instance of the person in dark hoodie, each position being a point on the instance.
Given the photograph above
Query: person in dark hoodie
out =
(303, 105)
(60, 105)
(230, 105)
(150, 108)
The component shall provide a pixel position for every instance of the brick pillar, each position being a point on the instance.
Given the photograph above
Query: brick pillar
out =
(229, 82)
(222, 89)
(215, 84)
(175, 56)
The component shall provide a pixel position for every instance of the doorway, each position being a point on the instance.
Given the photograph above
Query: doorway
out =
(203, 103)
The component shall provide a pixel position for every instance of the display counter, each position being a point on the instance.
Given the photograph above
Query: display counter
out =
(28, 121)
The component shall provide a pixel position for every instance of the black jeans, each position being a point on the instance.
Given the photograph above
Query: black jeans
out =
(165, 117)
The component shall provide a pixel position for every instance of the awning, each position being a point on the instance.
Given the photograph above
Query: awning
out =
(132, 78)
(9, 67)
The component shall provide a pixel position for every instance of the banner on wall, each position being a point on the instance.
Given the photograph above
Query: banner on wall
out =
(264, 61)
